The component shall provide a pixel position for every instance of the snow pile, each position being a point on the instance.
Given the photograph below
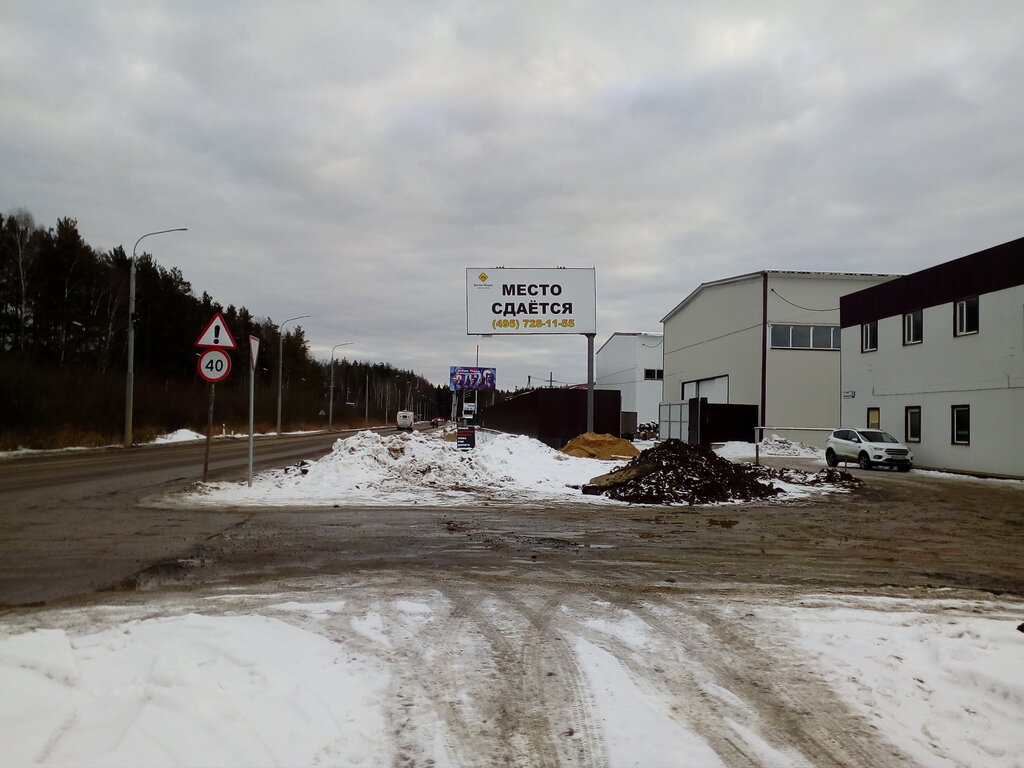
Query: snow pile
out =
(773, 446)
(369, 468)
(179, 436)
(418, 468)
(780, 446)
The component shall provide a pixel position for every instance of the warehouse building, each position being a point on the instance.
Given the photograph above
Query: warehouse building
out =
(632, 364)
(766, 339)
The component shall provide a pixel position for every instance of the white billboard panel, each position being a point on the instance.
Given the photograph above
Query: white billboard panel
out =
(506, 301)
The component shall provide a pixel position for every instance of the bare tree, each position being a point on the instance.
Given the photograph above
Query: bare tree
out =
(18, 230)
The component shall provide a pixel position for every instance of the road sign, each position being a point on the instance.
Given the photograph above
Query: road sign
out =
(465, 438)
(254, 350)
(214, 365)
(216, 334)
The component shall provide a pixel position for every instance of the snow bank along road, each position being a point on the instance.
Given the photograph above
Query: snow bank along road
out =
(856, 629)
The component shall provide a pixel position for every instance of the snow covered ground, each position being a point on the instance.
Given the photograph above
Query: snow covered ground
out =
(356, 674)
(372, 670)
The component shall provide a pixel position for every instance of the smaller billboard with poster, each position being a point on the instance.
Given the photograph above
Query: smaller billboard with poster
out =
(467, 378)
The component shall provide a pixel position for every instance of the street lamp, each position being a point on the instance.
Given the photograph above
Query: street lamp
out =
(280, 356)
(330, 406)
(129, 394)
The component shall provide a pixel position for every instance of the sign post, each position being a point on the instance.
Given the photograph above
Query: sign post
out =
(214, 365)
(209, 434)
(254, 349)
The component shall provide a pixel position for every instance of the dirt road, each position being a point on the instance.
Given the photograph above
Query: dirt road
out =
(901, 530)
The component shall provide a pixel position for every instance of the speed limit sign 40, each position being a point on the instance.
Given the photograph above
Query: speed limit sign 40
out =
(214, 365)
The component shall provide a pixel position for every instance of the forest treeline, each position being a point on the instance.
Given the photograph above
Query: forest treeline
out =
(63, 353)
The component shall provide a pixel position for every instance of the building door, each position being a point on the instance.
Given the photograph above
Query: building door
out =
(874, 418)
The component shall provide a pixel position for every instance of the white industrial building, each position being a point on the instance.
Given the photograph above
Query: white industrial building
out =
(631, 363)
(937, 359)
(769, 339)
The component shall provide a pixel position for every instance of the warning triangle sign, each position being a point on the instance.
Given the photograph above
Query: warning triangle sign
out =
(216, 334)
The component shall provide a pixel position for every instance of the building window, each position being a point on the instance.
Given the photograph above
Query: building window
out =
(805, 336)
(654, 374)
(961, 423)
(913, 328)
(874, 418)
(912, 424)
(869, 336)
(967, 316)
(821, 337)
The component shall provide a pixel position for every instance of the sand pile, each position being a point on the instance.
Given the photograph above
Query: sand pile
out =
(591, 445)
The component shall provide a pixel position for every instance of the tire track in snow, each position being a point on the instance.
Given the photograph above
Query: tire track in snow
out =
(518, 708)
(782, 700)
(561, 683)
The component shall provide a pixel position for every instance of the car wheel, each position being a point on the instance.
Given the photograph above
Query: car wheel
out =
(864, 461)
(830, 458)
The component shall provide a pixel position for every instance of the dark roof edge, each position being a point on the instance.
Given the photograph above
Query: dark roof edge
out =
(987, 271)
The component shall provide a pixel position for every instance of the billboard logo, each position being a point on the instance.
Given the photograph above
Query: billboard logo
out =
(482, 277)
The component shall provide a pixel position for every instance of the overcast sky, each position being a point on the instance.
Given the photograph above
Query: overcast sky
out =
(350, 160)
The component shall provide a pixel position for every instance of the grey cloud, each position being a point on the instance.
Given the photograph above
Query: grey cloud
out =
(348, 161)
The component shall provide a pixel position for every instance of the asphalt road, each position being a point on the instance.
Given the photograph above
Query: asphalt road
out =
(72, 522)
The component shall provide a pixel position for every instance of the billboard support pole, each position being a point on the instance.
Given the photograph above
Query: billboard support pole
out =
(590, 382)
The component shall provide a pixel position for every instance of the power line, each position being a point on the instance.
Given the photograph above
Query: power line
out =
(806, 309)
(715, 338)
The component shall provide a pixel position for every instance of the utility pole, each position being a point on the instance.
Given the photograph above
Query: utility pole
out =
(590, 382)
(129, 396)
(280, 367)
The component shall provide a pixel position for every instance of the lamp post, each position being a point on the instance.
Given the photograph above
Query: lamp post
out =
(330, 406)
(280, 357)
(129, 394)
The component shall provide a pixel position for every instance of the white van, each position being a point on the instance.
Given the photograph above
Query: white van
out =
(405, 419)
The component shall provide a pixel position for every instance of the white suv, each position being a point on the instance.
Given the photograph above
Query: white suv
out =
(867, 447)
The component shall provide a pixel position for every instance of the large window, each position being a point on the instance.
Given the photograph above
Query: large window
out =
(961, 424)
(805, 336)
(869, 336)
(966, 316)
(913, 328)
(912, 424)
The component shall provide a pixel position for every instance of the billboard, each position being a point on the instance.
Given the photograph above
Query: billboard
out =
(466, 378)
(504, 301)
